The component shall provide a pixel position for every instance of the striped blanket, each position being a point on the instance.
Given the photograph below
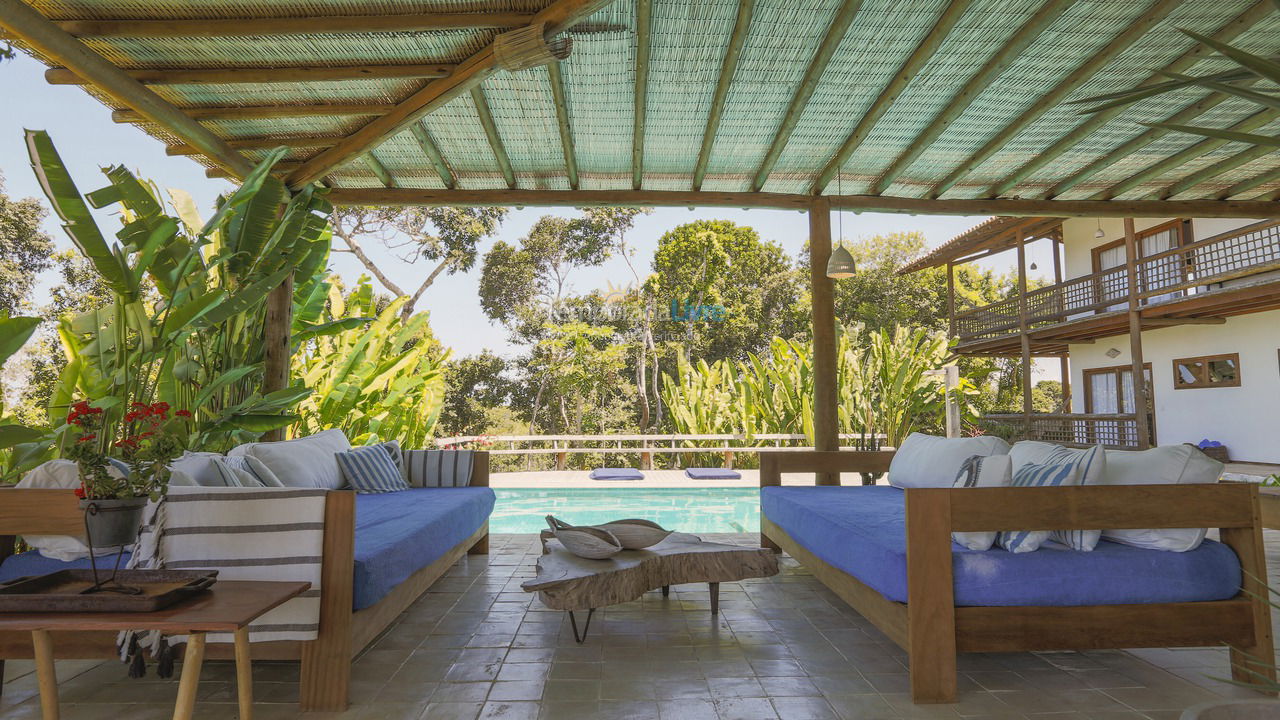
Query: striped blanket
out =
(245, 534)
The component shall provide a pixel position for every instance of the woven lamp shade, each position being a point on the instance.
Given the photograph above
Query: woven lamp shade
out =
(527, 47)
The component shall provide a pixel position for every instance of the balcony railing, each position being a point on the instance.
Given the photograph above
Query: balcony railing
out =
(1113, 431)
(1163, 277)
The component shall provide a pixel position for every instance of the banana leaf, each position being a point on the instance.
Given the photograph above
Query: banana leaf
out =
(11, 435)
(14, 333)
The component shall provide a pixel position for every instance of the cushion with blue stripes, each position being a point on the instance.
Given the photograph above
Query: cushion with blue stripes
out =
(1036, 475)
(370, 470)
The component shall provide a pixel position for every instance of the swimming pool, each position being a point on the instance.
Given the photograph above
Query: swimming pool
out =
(694, 510)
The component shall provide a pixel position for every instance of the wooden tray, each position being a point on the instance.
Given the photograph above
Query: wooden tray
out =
(63, 591)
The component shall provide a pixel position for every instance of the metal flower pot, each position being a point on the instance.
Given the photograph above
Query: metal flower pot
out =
(113, 523)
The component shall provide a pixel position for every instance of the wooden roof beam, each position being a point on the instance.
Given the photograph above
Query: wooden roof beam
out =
(313, 25)
(728, 68)
(432, 151)
(1226, 33)
(1208, 173)
(1053, 99)
(1003, 58)
(557, 17)
(259, 143)
(55, 44)
(280, 167)
(561, 100)
(379, 170)
(863, 203)
(256, 112)
(237, 76)
(491, 132)
(892, 91)
(1245, 186)
(644, 12)
(808, 83)
(1253, 122)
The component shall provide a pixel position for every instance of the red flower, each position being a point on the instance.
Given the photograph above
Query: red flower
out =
(160, 408)
(80, 491)
(145, 435)
(82, 407)
(87, 438)
(183, 413)
(132, 415)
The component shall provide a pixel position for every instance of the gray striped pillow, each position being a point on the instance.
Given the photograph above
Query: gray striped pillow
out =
(1031, 475)
(370, 470)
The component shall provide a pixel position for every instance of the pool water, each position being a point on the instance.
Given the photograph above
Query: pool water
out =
(692, 510)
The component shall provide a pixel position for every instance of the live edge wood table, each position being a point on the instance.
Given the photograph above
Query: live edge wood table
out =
(228, 607)
(568, 582)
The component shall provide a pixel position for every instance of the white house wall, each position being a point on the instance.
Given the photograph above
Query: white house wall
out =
(1246, 419)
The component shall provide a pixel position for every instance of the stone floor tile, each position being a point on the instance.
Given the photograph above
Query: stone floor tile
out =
(803, 708)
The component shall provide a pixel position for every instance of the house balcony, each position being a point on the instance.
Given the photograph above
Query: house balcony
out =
(1233, 273)
(1114, 431)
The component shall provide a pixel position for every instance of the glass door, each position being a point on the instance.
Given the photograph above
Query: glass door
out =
(1109, 391)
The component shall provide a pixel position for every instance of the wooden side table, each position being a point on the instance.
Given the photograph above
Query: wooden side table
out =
(228, 607)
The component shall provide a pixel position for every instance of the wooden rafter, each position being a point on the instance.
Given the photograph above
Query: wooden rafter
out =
(235, 76)
(1053, 99)
(561, 99)
(556, 18)
(379, 170)
(314, 25)
(1227, 33)
(247, 112)
(644, 12)
(910, 68)
(808, 83)
(41, 34)
(1245, 186)
(1003, 58)
(432, 151)
(259, 143)
(728, 67)
(280, 167)
(1212, 171)
(1253, 122)
(864, 203)
(491, 132)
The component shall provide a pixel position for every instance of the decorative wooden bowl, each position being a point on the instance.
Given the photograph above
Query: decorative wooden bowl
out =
(585, 542)
(636, 534)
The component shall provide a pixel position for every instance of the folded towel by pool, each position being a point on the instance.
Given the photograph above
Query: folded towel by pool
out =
(616, 474)
(712, 474)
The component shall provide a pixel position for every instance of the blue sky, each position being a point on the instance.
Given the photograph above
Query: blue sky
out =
(87, 139)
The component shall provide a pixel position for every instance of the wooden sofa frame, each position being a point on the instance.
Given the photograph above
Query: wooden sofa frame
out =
(932, 629)
(325, 675)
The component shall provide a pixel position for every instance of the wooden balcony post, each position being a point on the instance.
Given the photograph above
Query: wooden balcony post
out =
(1063, 360)
(1140, 398)
(1022, 334)
(824, 335)
(951, 297)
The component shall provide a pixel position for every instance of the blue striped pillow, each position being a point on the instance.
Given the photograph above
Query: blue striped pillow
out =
(1031, 475)
(370, 470)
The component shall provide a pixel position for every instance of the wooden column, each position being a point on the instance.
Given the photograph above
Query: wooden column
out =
(951, 297)
(1023, 336)
(278, 350)
(1063, 360)
(1140, 399)
(824, 335)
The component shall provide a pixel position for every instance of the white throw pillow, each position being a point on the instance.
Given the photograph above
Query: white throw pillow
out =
(196, 468)
(931, 461)
(1092, 465)
(979, 471)
(1167, 464)
(63, 475)
(245, 471)
(303, 462)
(1033, 475)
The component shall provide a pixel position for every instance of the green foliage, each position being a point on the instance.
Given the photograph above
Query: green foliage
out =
(477, 385)
(24, 249)
(371, 372)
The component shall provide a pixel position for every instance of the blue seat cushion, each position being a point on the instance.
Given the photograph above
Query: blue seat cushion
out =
(33, 563)
(616, 474)
(862, 531)
(398, 534)
(712, 474)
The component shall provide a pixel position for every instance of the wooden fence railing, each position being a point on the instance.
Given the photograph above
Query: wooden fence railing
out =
(1118, 431)
(1162, 277)
(729, 445)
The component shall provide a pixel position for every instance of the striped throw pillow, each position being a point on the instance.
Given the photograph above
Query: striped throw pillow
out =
(1092, 465)
(370, 470)
(982, 471)
(1033, 475)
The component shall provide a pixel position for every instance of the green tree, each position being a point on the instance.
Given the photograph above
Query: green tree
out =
(477, 386)
(25, 250)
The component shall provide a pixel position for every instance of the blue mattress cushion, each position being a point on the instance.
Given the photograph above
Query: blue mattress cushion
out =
(399, 533)
(712, 474)
(33, 563)
(862, 531)
(616, 474)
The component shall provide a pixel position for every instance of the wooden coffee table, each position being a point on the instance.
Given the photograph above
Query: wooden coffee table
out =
(568, 582)
(228, 607)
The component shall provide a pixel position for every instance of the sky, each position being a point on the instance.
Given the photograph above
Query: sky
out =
(88, 140)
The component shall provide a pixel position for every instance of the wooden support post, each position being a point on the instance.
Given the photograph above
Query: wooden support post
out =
(1141, 401)
(646, 458)
(769, 477)
(480, 478)
(278, 348)
(1260, 657)
(560, 461)
(951, 297)
(326, 661)
(824, 335)
(931, 612)
(1063, 361)
(1023, 335)
(728, 459)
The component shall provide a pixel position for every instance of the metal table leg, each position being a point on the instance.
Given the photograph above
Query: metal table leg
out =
(573, 621)
(715, 598)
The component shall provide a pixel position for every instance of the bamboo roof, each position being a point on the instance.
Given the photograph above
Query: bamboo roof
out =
(993, 236)
(948, 106)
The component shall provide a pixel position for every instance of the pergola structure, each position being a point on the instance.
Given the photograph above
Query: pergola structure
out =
(933, 107)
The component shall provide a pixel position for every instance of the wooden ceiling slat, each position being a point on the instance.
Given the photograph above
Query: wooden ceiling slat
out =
(313, 25)
(728, 67)
(258, 143)
(491, 132)
(1053, 99)
(280, 167)
(1245, 186)
(432, 151)
(644, 13)
(1208, 173)
(250, 112)
(262, 75)
(1227, 33)
(1002, 59)
(561, 100)
(800, 100)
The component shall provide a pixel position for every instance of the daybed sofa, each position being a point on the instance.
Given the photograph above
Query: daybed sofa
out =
(380, 553)
(888, 552)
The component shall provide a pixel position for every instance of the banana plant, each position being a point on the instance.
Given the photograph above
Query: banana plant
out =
(21, 447)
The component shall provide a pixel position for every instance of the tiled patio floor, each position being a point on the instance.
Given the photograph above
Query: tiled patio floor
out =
(475, 646)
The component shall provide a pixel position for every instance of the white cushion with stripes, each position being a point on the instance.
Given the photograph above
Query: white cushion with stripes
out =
(1092, 463)
(371, 470)
(439, 468)
(982, 471)
(1032, 475)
